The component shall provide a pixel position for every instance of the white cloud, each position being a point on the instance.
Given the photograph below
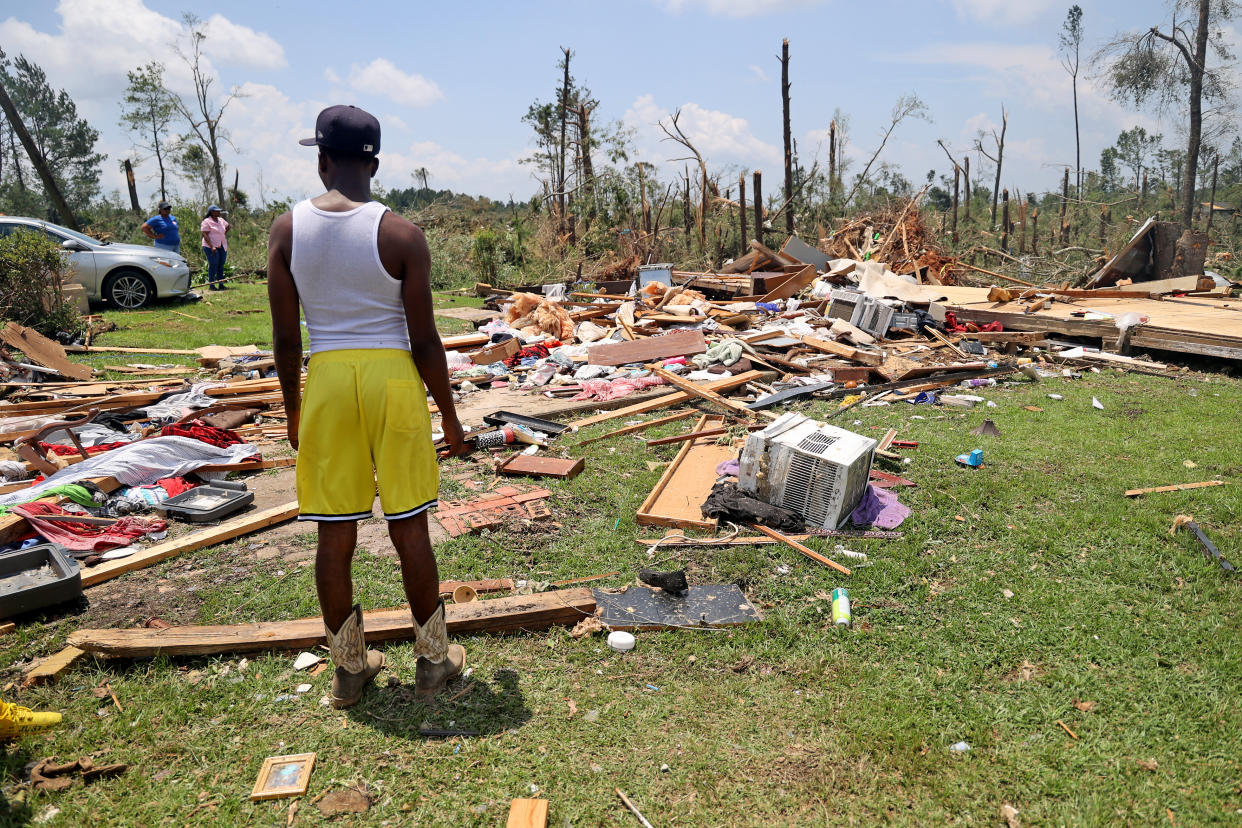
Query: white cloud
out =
(720, 137)
(1003, 12)
(759, 73)
(735, 8)
(330, 75)
(447, 170)
(239, 45)
(382, 77)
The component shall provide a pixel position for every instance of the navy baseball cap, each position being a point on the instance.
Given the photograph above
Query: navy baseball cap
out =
(346, 128)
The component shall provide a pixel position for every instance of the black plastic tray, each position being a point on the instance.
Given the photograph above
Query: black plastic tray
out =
(204, 504)
(548, 427)
(64, 584)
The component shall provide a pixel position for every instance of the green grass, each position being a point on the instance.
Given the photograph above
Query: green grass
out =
(789, 722)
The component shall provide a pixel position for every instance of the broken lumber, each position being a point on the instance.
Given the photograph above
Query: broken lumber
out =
(677, 343)
(528, 813)
(50, 668)
(805, 550)
(672, 418)
(1175, 488)
(108, 570)
(42, 351)
(497, 615)
(731, 406)
(481, 587)
(791, 286)
(827, 346)
(497, 352)
(675, 398)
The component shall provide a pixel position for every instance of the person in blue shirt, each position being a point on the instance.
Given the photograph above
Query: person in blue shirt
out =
(162, 229)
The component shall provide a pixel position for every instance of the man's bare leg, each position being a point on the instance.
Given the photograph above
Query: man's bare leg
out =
(355, 664)
(438, 661)
(419, 574)
(333, 562)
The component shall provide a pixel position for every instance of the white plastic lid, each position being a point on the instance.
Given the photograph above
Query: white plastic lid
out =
(620, 641)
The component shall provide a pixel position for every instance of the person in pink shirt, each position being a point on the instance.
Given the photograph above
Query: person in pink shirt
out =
(214, 230)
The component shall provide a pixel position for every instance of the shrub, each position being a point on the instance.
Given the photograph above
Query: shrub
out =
(31, 271)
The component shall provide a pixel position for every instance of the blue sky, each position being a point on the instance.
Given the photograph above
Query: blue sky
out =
(450, 82)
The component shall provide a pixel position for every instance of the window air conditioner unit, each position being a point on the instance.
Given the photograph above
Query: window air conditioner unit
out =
(817, 470)
(873, 316)
(843, 303)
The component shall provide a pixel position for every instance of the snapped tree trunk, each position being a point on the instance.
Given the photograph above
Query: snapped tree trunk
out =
(1064, 208)
(1004, 240)
(1196, 66)
(1212, 198)
(1000, 159)
(743, 242)
(37, 159)
(957, 174)
(966, 193)
(133, 189)
(560, 169)
(832, 161)
(758, 179)
(1035, 232)
(789, 218)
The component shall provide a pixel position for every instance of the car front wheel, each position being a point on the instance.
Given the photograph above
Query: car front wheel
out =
(129, 289)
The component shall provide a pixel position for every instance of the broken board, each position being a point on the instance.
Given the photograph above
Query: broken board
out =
(677, 498)
(703, 605)
(42, 351)
(563, 468)
(459, 518)
(495, 615)
(528, 813)
(677, 343)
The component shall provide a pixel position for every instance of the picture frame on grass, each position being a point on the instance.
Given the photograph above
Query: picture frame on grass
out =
(283, 776)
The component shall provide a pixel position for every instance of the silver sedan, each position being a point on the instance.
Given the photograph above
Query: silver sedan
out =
(124, 275)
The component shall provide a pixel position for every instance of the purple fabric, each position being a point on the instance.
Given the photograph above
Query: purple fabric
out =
(879, 508)
(728, 467)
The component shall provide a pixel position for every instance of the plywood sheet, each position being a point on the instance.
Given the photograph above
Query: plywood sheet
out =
(678, 497)
(702, 605)
(677, 343)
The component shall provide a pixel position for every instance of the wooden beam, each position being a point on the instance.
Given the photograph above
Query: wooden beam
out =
(677, 343)
(50, 668)
(675, 398)
(496, 615)
(732, 406)
(672, 418)
(1176, 488)
(791, 286)
(858, 355)
(528, 813)
(244, 525)
(805, 550)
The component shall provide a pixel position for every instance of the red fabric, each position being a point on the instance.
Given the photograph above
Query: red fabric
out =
(951, 325)
(175, 485)
(63, 450)
(198, 430)
(538, 351)
(85, 536)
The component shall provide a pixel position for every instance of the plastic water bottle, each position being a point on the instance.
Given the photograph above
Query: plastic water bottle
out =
(841, 607)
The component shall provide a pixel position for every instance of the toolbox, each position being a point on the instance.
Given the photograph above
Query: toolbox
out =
(37, 577)
(207, 503)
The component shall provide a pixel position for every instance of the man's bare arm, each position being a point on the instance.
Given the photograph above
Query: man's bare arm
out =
(282, 296)
(425, 344)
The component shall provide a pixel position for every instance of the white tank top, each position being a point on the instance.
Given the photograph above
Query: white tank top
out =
(348, 298)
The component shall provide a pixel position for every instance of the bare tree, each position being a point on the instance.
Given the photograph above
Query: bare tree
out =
(1157, 67)
(1071, 45)
(146, 111)
(204, 116)
(907, 106)
(997, 159)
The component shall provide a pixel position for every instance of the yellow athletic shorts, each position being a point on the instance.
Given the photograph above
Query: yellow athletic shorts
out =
(365, 422)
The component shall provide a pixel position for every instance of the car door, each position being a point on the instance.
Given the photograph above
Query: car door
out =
(81, 261)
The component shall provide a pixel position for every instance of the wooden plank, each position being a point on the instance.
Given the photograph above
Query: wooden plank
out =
(675, 398)
(528, 813)
(481, 587)
(944, 340)
(104, 349)
(686, 483)
(805, 550)
(510, 613)
(42, 351)
(827, 346)
(564, 468)
(7, 628)
(791, 286)
(780, 258)
(672, 418)
(108, 570)
(707, 394)
(498, 352)
(677, 343)
(50, 668)
(1175, 488)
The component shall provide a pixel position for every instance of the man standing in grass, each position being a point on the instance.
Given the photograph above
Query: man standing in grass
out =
(362, 276)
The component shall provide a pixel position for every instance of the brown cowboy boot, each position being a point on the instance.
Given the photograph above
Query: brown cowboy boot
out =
(355, 664)
(438, 660)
